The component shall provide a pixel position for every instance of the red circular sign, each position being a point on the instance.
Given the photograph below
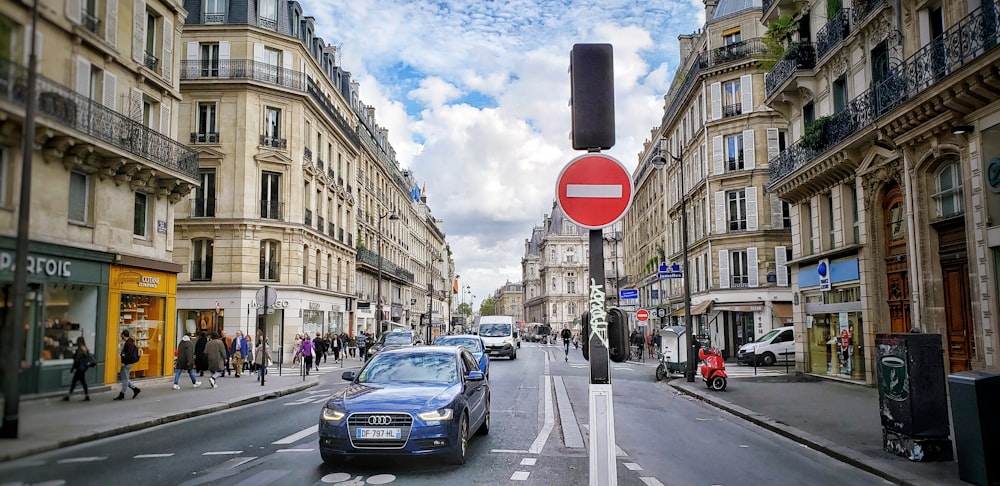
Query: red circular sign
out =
(642, 315)
(594, 190)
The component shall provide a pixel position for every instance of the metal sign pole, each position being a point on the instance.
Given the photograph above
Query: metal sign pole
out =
(603, 470)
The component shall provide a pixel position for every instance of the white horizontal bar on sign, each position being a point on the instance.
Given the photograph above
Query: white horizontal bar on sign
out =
(594, 190)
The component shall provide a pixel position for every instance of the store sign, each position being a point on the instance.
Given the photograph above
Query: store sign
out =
(37, 265)
(278, 304)
(148, 282)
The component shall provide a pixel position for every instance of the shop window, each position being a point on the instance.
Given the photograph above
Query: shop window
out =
(202, 250)
(140, 216)
(69, 313)
(270, 264)
(143, 316)
(948, 197)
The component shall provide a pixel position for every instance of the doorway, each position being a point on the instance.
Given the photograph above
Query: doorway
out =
(955, 280)
(898, 284)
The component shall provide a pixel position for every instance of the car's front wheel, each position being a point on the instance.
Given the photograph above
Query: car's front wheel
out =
(459, 454)
(767, 359)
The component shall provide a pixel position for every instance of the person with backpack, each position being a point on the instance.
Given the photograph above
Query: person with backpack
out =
(82, 361)
(129, 356)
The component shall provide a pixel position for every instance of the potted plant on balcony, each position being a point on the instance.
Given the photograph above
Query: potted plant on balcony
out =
(814, 136)
(776, 40)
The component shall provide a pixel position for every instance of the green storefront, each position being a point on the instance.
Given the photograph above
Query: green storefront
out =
(67, 298)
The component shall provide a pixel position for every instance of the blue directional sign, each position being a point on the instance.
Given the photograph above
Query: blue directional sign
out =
(629, 293)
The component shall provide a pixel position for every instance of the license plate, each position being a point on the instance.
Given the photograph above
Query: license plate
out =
(378, 433)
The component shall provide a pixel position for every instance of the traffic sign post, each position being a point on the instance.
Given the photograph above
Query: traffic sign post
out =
(642, 315)
(594, 190)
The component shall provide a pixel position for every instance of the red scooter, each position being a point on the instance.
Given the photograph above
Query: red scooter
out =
(713, 369)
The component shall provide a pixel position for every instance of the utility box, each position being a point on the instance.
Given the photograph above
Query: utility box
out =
(974, 398)
(913, 400)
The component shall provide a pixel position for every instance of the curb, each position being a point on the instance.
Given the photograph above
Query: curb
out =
(838, 452)
(152, 422)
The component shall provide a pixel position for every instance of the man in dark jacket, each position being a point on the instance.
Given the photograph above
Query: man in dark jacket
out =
(185, 362)
(129, 356)
(321, 348)
(200, 361)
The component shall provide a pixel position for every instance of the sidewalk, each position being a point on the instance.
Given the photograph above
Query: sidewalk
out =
(838, 419)
(46, 424)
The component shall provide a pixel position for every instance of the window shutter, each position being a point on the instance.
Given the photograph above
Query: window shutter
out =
(286, 60)
(74, 9)
(224, 71)
(723, 269)
(751, 193)
(111, 23)
(708, 214)
(258, 53)
(165, 118)
(718, 167)
(746, 93)
(772, 143)
(83, 76)
(716, 90)
(720, 212)
(777, 219)
(110, 93)
(167, 60)
(781, 266)
(138, 30)
(192, 70)
(749, 150)
(753, 279)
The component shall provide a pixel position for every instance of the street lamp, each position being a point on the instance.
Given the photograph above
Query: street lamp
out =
(660, 162)
(378, 305)
(614, 237)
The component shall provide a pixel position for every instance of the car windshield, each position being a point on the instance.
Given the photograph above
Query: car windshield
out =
(494, 330)
(398, 339)
(410, 367)
(768, 336)
(472, 344)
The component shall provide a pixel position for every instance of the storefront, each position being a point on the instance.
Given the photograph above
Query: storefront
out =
(834, 324)
(66, 300)
(142, 300)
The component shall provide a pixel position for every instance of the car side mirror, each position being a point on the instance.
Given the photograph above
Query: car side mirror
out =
(475, 376)
(349, 375)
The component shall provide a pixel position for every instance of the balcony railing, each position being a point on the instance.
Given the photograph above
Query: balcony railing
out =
(735, 164)
(331, 111)
(90, 21)
(836, 29)
(210, 137)
(320, 165)
(969, 39)
(66, 107)
(309, 217)
(340, 235)
(270, 271)
(273, 142)
(766, 5)
(203, 208)
(800, 55)
(201, 271)
(151, 61)
(732, 52)
(272, 210)
(861, 8)
(215, 17)
(307, 153)
(732, 110)
(243, 69)
(267, 23)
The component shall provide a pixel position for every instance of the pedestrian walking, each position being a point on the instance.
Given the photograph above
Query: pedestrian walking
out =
(200, 359)
(307, 349)
(129, 356)
(296, 349)
(248, 362)
(321, 347)
(228, 343)
(335, 347)
(351, 343)
(262, 357)
(215, 352)
(361, 339)
(82, 361)
(238, 351)
(185, 362)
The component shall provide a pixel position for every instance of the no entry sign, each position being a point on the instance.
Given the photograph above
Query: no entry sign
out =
(594, 190)
(642, 315)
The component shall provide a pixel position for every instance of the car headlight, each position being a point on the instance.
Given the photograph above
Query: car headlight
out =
(332, 415)
(436, 415)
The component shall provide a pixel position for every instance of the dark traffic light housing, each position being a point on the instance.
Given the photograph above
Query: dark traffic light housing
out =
(618, 345)
(592, 96)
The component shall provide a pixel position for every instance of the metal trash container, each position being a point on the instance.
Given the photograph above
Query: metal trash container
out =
(974, 397)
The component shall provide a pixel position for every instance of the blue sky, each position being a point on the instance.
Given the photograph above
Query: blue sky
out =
(475, 96)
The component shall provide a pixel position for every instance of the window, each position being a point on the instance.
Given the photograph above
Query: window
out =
(272, 128)
(786, 214)
(270, 263)
(840, 94)
(571, 308)
(79, 195)
(808, 113)
(215, 11)
(89, 17)
(830, 228)
(949, 190)
(201, 258)
(318, 267)
(150, 60)
(207, 131)
(553, 284)
(305, 265)
(732, 104)
(734, 153)
(896, 224)
(570, 287)
(267, 70)
(855, 220)
(204, 196)
(5, 176)
(270, 196)
(739, 272)
(268, 14)
(731, 37)
(737, 201)
(210, 59)
(139, 217)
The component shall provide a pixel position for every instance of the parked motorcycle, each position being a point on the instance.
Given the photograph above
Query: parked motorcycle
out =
(713, 369)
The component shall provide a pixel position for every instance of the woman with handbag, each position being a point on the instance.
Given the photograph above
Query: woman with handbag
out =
(262, 357)
(82, 361)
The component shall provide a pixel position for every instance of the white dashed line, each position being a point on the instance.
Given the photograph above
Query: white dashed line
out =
(519, 476)
(291, 439)
(221, 453)
(151, 456)
(294, 450)
(508, 451)
(528, 461)
(631, 466)
(81, 459)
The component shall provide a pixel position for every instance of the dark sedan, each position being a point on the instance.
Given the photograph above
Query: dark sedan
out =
(408, 401)
(475, 346)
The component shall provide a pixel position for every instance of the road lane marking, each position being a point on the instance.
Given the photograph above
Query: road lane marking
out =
(151, 456)
(237, 461)
(650, 481)
(221, 453)
(519, 476)
(508, 451)
(298, 435)
(321, 399)
(594, 190)
(528, 461)
(81, 459)
(631, 466)
(294, 450)
(543, 435)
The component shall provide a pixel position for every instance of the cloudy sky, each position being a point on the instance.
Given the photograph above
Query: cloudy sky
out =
(475, 96)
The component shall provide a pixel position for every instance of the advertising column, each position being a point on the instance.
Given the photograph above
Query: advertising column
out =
(143, 301)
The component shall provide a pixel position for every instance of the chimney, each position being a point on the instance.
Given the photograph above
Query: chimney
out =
(710, 6)
(686, 43)
(371, 112)
(331, 50)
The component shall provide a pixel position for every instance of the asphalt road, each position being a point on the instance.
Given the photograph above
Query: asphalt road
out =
(538, 436)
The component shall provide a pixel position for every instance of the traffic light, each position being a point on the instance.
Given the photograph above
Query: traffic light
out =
(585, 337)
(592, 96)
(618, 345)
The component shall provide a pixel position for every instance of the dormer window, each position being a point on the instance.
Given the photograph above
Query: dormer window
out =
(215, 11)
(268, 16)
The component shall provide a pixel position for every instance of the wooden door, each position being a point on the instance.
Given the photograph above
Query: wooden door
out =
(957, 300)
(896, 264)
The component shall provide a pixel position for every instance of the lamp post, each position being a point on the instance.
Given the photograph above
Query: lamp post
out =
(378, 291)
(613, 238)
(661, 162)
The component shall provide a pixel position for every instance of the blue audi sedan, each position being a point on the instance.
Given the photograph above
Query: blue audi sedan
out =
(475, 346)
(408, 402)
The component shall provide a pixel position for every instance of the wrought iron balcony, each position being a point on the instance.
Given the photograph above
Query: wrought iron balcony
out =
(201, 270)
(309, 217)
(836, 29)
(766, 5)
(732, 52)
(63, 106)
(270, 271)
(861, 9)
(210, 137)
(273, 142)
(242, 69)
(307, 153)
(90, 21)
(203, 207)
(732, 110)
(267, 23)
(151, 62)
(215, 17)
(734, 164)
(800, 55)
(272, 210)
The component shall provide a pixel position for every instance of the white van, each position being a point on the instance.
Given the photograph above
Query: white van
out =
(498, 335)
(777, 345)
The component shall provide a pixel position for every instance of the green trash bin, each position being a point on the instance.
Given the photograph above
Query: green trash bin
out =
(974, 397)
